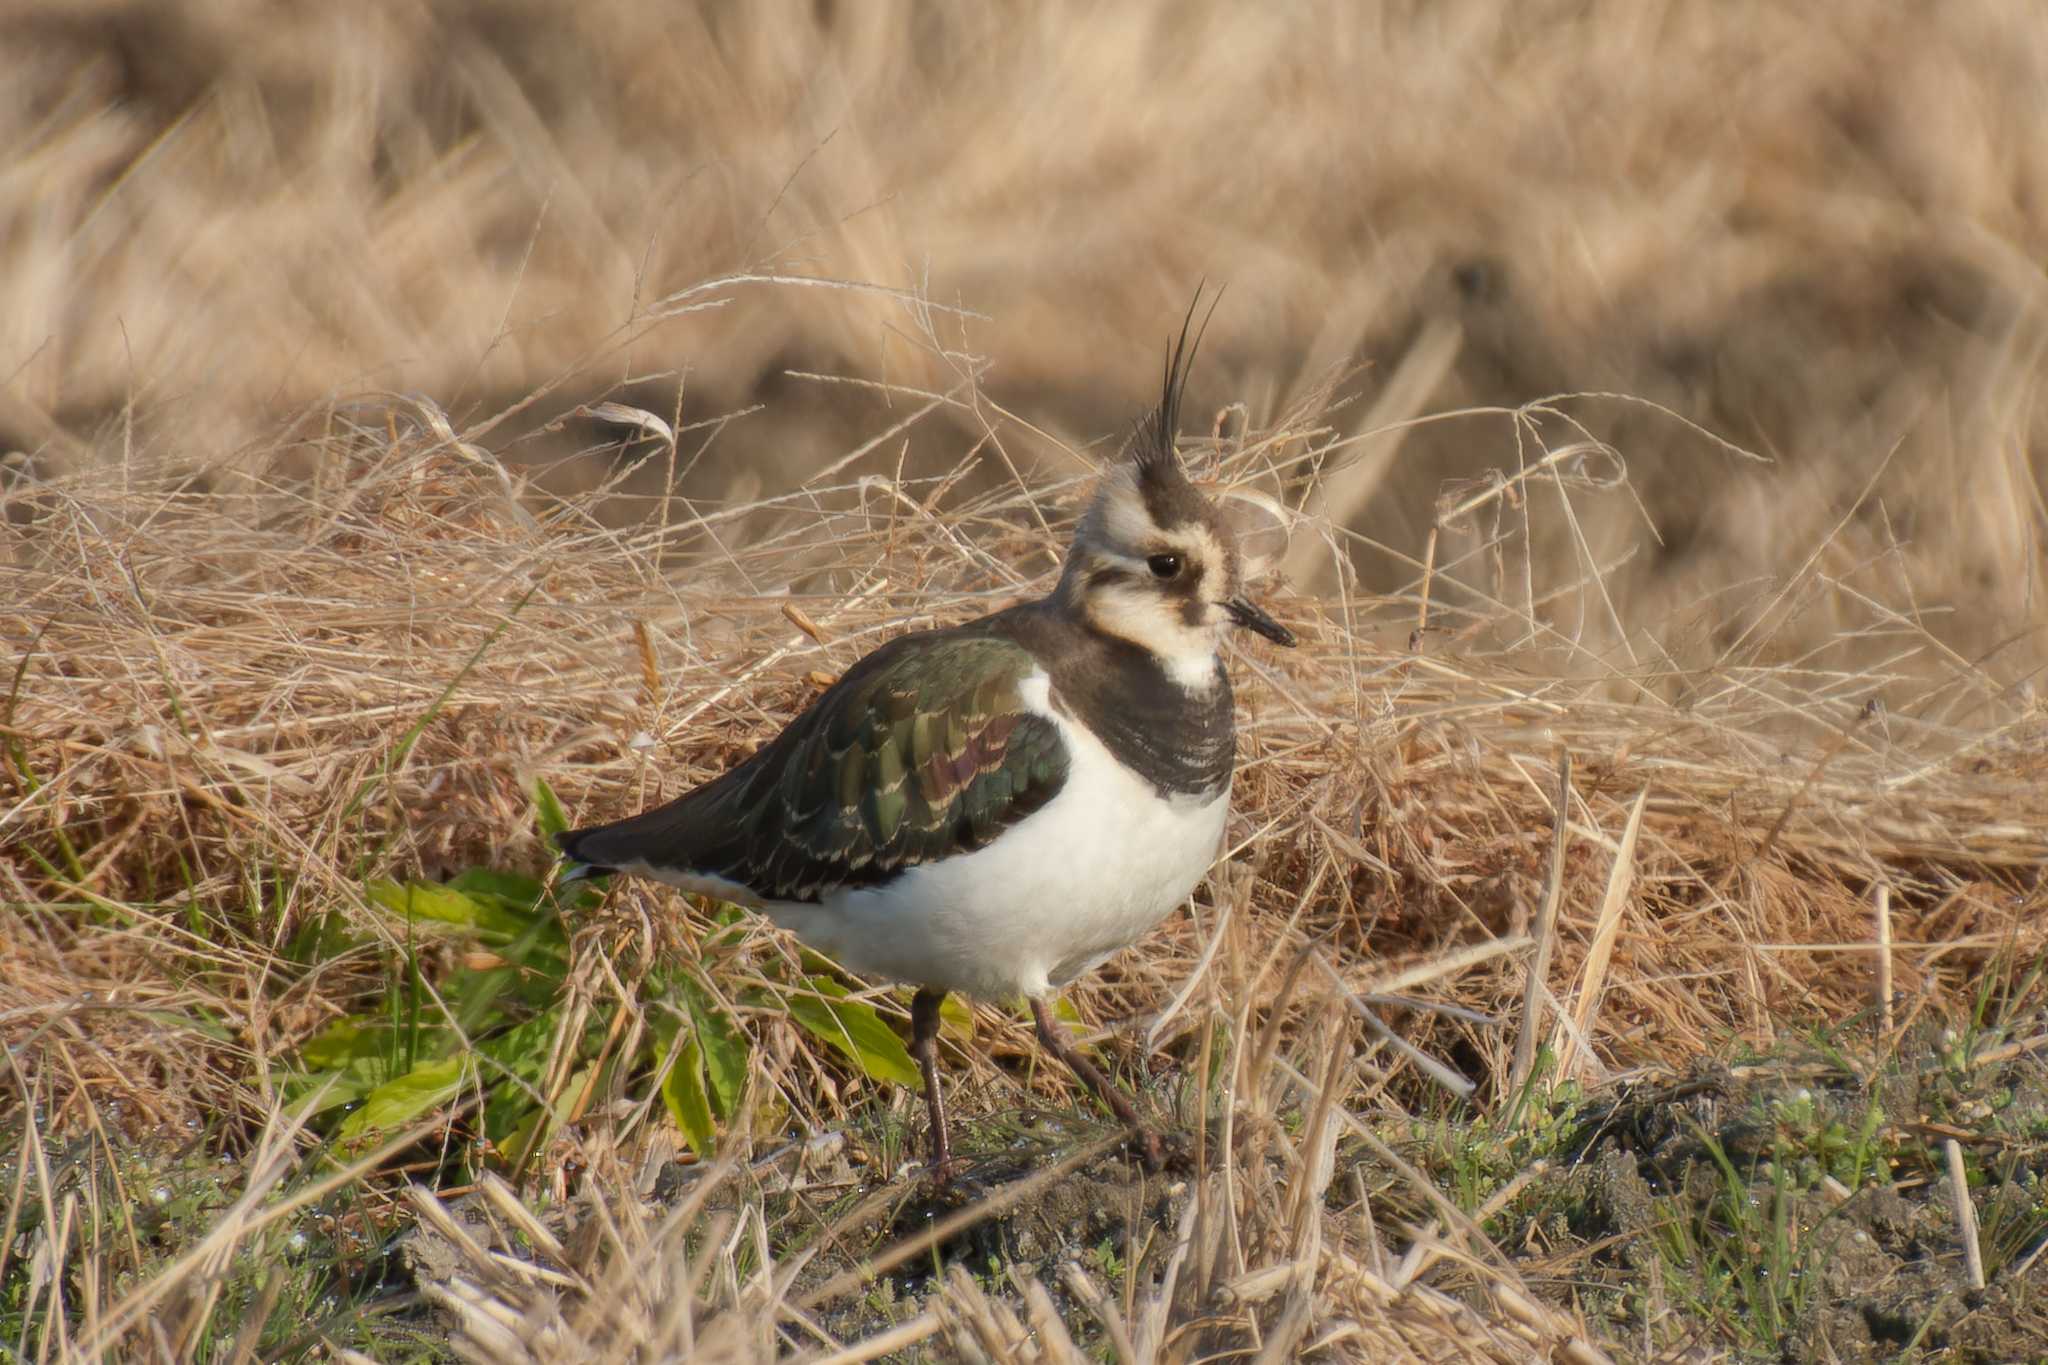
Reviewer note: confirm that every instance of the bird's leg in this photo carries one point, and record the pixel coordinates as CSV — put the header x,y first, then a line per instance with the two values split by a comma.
x,y
924,1045
1054,1038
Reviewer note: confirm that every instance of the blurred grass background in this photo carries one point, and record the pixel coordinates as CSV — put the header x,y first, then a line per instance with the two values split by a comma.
x,y
1816,231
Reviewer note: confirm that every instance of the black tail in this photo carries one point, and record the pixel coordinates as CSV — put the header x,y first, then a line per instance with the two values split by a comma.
x,y
570,842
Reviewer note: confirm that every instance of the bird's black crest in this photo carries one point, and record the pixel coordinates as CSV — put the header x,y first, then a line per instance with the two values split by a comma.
x,y
1154,445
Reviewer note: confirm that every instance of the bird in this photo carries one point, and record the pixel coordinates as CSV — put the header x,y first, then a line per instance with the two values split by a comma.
x,y
997,807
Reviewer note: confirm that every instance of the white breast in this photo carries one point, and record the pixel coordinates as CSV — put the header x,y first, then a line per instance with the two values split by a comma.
x,y
1055,894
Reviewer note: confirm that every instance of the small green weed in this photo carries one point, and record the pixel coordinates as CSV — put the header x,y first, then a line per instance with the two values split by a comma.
x,y
1474,1158
108,1216
1735,1252
482,1013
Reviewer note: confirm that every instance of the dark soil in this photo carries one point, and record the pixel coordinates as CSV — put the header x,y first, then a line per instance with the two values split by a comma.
x,y
1785,1209
1792,1211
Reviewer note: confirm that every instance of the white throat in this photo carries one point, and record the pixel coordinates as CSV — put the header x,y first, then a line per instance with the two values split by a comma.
x,y
1186,653
1196,673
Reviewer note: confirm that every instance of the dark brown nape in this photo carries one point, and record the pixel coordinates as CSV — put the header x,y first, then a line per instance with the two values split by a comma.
x,y
1171,501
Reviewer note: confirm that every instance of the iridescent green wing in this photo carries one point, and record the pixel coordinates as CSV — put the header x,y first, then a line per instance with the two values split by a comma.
x,y
924,749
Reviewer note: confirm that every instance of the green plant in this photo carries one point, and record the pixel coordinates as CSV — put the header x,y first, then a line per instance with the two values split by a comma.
x,y
99,1218
1474,1157
1105,1259
484,1013
1815,1144
2012,1216
1737,1254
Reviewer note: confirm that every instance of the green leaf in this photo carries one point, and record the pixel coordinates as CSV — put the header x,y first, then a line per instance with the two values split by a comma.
x,y
479,999
725,1048
514,890
524,1051
582,1081
581,895
814,963
312,1093
853,1027
682,1090
322,937
354,1058
956,1018
399,1101
729,925
507,1143
512,899
510,1064
548,816
343,1041
445,905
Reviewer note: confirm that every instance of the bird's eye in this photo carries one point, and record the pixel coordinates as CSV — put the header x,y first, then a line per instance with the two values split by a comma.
x,y
1164,566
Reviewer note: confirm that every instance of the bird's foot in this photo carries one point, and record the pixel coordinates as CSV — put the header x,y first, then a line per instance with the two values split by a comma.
x,y
1151,1148
942,1172
1164,1151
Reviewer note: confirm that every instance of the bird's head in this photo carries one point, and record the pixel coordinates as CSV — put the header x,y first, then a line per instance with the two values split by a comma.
x,y
1155,560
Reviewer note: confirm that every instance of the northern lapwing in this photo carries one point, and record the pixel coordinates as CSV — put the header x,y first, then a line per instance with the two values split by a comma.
x,y
996,807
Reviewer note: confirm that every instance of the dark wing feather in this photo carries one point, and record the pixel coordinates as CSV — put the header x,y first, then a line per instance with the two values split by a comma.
x,y
923,749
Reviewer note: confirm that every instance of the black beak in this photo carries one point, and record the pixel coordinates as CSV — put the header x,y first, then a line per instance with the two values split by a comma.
x,y
1251,618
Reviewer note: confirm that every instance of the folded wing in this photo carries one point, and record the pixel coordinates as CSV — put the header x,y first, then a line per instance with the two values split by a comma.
x,y
925,748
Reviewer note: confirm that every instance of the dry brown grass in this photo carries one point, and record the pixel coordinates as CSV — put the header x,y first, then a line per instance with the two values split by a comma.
x,y
230,590
231,703
1253,1263
216,690
1815,231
